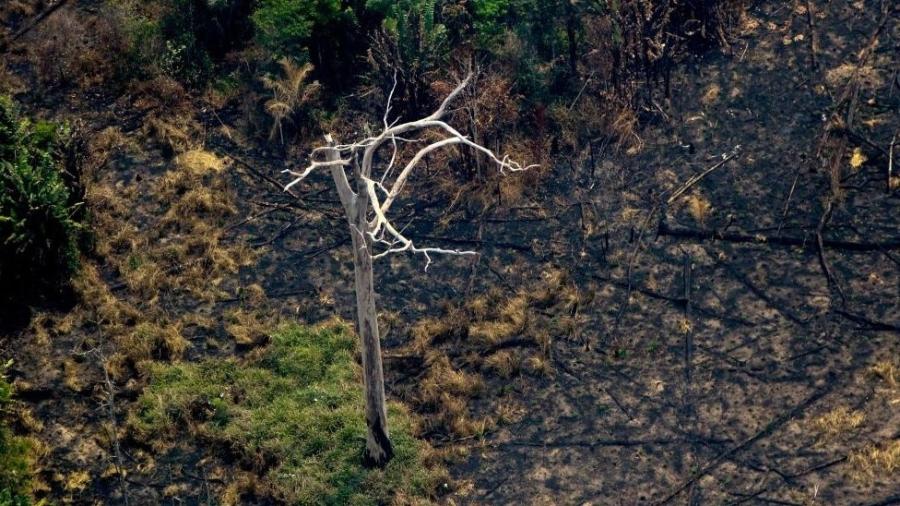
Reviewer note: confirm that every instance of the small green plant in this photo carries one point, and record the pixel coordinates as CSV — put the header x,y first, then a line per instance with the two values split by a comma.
x,y
298,408
38,232
14,463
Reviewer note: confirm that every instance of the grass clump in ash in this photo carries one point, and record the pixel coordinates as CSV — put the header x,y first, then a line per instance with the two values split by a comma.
x,y
294,414
15,464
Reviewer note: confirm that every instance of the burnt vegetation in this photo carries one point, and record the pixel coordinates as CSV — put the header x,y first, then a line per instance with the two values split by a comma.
x,y
641,252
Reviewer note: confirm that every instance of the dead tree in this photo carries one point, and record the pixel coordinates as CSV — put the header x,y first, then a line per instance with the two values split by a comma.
x,y
374,236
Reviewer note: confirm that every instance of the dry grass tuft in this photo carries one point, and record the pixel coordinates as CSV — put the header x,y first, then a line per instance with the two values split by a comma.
x,y
887,371
875,460
504,363
838,421
199,162
698,207
442,378
427,330
174,134
248,329
509,321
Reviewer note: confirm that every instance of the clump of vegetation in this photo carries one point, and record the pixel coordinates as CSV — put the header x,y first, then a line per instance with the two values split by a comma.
x,y
39,230
838,421
291,94
14,462
294,413
875,461
492,334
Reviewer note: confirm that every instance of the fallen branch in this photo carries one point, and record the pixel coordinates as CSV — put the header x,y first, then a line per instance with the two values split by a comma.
x,y
823,260
694,180
590,444
31,24
874,325
738,237
771,427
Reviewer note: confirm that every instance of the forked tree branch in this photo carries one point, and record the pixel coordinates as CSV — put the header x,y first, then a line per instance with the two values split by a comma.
x,y
379,228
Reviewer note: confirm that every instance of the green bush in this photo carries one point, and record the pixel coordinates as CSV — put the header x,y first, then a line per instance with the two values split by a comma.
x,y
421,39
286,27
297,411
14,464
38,231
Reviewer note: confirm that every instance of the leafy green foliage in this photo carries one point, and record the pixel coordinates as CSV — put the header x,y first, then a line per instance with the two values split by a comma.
x,y
38,235
285,27
299,406
14,463
420,38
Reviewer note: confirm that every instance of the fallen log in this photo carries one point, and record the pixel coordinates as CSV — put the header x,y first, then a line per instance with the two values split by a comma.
x,y
738,237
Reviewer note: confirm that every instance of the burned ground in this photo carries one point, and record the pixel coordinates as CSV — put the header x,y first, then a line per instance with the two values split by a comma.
x,y
607,346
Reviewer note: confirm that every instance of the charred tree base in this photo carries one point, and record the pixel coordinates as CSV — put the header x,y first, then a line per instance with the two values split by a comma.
x,y
379,450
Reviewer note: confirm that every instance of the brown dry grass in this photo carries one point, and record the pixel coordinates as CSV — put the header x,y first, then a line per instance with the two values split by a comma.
x,y
698,207
248,328
875,461
493,334
73,48
838,421
162,239
888,372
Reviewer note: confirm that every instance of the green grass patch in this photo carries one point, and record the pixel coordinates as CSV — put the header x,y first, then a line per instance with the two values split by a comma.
x,y
15,466
295,413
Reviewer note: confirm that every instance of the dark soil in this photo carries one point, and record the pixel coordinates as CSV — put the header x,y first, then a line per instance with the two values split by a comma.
x,y
697,364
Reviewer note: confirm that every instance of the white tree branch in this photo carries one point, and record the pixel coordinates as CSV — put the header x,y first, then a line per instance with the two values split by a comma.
x,y
379,229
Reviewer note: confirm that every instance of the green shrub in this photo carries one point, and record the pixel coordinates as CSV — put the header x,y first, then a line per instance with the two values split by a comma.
x,y
285,27
38,232
297,410
14,463
421,39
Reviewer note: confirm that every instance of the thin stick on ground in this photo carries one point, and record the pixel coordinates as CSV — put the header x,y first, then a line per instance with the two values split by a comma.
x,y
823,221
813,37
694,180
769,428
890,167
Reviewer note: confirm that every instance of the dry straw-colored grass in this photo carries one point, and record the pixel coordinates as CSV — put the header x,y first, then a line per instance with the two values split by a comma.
x,y
698,207
875,461
838,421
888,372
494,334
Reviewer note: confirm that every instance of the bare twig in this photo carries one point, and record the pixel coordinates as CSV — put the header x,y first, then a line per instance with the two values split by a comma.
x,y
743,237
382,191
890,167
771,427
692,181
823,221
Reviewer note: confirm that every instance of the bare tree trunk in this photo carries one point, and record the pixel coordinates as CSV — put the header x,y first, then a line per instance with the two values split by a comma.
x,y
366,235
378,446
